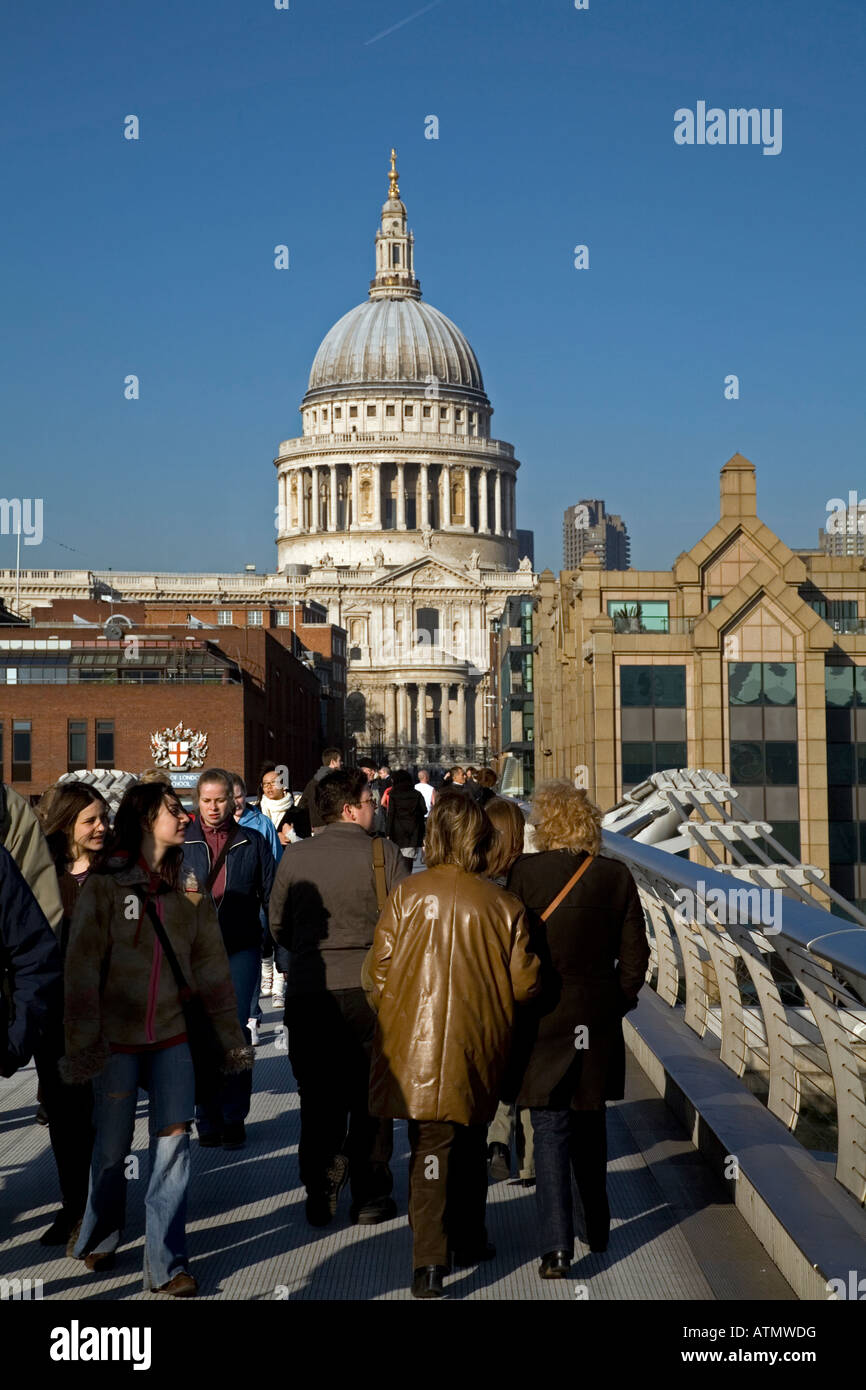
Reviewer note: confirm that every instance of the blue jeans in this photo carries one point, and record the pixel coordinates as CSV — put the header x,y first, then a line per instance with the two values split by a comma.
x,y
232,1103
566,1142
169,1080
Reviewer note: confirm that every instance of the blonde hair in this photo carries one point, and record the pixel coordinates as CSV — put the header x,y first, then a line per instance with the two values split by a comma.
x,y
155,774
458,832
508,824
565,818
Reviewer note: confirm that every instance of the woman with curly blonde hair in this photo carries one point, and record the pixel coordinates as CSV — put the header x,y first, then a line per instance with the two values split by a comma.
x,y
587,927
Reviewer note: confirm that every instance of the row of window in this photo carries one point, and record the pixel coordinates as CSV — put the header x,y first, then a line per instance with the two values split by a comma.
x,y
390,413
76,746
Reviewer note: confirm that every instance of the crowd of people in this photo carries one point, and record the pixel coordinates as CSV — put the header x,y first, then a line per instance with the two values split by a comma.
x,y
438,958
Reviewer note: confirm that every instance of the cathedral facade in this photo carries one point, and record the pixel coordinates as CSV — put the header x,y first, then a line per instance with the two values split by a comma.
x,y
397,512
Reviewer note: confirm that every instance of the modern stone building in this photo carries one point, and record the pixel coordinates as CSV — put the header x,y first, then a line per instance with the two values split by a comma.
x,y
746,657
588,529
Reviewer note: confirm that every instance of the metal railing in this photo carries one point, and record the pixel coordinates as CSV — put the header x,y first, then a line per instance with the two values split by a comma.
x,y
409,439
776,983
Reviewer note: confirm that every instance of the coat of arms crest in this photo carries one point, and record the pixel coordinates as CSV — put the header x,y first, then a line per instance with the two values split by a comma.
x,y
178,748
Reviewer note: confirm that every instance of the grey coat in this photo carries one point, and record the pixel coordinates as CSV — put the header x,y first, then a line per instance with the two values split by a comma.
x,y
323,908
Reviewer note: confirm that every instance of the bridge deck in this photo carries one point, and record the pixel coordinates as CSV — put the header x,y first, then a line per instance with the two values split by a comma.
x,y
675,1235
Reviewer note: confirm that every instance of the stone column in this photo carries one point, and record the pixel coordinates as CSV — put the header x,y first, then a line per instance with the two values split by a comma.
x,y
509,492
483,527
299,496
423,488
401,498
460,732
421,714
356,496
497,504
444,718
315,519
391,716
377,496
401,722
281,503
445,491
467,496
334,500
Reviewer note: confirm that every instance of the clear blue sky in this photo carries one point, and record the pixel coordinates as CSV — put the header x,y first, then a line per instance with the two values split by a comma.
x,y
261,126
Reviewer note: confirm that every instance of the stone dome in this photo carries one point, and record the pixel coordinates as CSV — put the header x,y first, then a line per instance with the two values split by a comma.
x,y
395,342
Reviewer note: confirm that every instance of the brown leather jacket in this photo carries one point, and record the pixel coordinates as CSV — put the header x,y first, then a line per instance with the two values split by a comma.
x,y
449,962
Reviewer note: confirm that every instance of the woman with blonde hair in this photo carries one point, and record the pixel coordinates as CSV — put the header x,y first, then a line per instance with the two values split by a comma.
x,y
448,965
587,926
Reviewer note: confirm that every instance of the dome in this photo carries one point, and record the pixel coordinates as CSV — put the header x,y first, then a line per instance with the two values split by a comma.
x,y
395,342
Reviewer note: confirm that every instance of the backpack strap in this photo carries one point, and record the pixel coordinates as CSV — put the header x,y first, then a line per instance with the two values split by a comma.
x,y
568,887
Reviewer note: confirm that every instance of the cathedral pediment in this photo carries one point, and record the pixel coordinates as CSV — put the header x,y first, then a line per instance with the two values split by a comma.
x,y
427,573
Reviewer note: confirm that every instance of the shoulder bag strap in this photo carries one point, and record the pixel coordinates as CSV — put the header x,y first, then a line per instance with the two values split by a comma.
x,y
168,950
568,887
220,859
379,872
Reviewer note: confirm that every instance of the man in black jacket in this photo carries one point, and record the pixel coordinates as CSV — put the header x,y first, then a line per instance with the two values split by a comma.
x,y
332,761
324,909
31,978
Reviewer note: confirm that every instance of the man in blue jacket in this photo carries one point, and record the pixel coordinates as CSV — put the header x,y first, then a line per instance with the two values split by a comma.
x,y
234,864
31,977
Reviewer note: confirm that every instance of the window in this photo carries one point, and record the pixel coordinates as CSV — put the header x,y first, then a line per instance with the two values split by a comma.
x,y
284,618
409,411
771,763
762,683
105,743
324,414
338,412
396,251
663,687
314,417
426,410
371,412
713,600
472,418
254,617
458,415
22,750
224,617
389,411
443,412
76,744
636,616
353,412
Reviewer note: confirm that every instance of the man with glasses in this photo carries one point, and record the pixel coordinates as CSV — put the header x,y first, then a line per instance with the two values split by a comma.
x,y
323,911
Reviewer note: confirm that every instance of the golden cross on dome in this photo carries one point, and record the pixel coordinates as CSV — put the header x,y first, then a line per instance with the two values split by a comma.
x,y
393,190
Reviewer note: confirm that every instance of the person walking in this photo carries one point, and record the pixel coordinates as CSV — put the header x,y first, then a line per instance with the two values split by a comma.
x,y
424,787
327,895
275,798
126,1027
21,834
587,926
251,818
332,761
74,819
405,816
234,865
509,1123
31,978
448,965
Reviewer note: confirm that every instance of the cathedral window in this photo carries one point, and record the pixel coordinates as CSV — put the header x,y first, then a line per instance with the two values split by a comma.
x,y
443,412
389,410
324,414
427,412
409,411
371,412
353,411
338,412
458,415
396,255
314,417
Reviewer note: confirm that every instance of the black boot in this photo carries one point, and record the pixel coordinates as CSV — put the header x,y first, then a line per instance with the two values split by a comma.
x,y
427,1281
555,1265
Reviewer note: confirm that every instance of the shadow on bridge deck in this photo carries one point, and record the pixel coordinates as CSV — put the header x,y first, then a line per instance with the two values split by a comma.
x,y
675,1235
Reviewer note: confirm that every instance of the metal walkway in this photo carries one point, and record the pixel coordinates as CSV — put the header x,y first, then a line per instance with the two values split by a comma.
x,y
675,1233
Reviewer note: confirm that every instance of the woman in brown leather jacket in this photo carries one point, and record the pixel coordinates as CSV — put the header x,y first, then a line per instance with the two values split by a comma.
x,y
448,964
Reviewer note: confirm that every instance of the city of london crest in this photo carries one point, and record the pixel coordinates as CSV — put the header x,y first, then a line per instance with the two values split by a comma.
x,y
178,748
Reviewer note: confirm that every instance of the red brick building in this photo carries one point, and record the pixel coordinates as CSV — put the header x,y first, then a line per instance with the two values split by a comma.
x,y
90,690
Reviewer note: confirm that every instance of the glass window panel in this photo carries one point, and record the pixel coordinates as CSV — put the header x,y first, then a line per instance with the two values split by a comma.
x,y
744,682
840,764
838,724
635,615
844,842
714,599
635,683
860,685
747,763
637,762
105,742
670,755
861,764
780,682
787,832
862,845
669,686
781,760
839,685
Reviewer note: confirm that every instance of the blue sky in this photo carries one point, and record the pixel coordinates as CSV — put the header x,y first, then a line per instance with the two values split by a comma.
x,y
261,127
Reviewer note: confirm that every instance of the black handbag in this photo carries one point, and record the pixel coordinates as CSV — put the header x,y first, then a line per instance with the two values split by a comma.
x,y
208,1054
